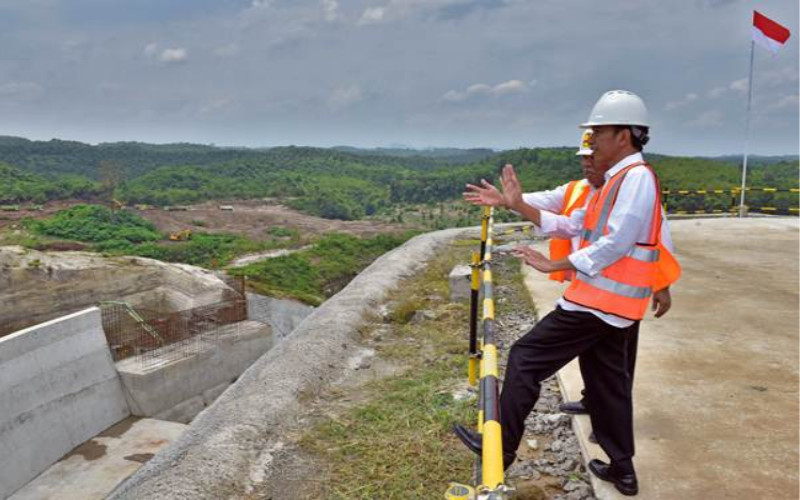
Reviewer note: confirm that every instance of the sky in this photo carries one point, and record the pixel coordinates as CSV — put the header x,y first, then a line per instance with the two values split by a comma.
x,y
417,73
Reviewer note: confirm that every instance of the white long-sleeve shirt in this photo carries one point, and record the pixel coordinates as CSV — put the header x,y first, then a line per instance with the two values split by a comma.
x,y
628,223
553,201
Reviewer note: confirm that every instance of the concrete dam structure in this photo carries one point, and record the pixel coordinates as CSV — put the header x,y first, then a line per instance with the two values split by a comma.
x,y
66,381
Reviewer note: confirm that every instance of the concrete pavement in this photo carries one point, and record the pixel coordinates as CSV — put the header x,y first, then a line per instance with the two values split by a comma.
x,y
716,388
91,471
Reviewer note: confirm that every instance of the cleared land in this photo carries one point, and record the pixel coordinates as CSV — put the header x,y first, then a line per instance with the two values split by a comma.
x,y
716,395
255,218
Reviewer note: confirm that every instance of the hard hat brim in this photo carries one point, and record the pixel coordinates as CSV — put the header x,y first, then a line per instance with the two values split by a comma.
x,y
613,122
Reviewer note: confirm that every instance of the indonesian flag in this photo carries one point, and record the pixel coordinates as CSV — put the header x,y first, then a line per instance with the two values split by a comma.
x,y
767,33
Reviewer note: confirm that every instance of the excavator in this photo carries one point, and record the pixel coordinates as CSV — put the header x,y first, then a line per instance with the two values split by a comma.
x,y
184,235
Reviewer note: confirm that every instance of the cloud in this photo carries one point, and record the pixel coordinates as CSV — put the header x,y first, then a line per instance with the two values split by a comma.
x,y
173,55
739,85
717,92
505,88
786,102
167,56
774,78
331,11
443,10
258,4
459,9
150,49
716,4
672,105
228,50
372,15
708,119
216,105
20,91
345,96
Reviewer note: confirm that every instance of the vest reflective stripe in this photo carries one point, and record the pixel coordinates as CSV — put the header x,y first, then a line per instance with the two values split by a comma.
x,y
644,254
609,285
574,197
624,287
602,221
575,191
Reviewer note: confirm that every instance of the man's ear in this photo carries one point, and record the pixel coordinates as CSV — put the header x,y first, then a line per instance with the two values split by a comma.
x,y
626,138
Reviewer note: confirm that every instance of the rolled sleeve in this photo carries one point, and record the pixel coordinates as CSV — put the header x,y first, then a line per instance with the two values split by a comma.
x,y
583,262
561,226
549,222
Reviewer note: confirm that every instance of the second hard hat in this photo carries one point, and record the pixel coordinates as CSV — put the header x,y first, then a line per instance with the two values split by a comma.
x,y
618,107
585,148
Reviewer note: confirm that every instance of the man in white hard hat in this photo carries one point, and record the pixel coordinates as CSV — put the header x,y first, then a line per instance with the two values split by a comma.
x,y
620,262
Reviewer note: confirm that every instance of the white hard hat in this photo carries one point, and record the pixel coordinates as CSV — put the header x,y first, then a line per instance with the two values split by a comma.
x,y
585,148
618,107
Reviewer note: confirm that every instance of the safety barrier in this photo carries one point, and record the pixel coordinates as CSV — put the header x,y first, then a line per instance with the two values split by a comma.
x,y
732,205
483,371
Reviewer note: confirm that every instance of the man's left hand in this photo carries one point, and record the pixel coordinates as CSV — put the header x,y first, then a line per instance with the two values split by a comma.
x,y
534,259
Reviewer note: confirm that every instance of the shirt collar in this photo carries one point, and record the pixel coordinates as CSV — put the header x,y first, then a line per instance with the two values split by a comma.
x,y
628,160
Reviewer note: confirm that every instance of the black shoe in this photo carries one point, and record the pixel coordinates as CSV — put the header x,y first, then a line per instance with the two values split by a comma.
x,y
625,483
474,442
573,408
593,438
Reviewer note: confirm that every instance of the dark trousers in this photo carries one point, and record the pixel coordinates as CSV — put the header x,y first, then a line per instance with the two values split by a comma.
x,y
556,340
633,345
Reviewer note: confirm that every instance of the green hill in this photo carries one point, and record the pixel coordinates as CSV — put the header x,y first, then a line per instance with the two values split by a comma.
x,y
342,183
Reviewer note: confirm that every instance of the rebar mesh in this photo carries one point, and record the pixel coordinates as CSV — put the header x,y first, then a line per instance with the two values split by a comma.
x,y
151,334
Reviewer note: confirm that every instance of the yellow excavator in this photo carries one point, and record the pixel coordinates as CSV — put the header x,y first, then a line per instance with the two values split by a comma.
x,y
184,235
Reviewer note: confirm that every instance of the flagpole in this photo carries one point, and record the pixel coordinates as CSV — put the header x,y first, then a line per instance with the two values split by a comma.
x,y
747,131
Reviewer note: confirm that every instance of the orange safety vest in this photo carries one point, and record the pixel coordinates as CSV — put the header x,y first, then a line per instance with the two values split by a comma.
x,y
623,288
574,197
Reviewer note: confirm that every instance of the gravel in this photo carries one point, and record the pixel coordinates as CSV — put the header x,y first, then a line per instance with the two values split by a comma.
x,y
550,456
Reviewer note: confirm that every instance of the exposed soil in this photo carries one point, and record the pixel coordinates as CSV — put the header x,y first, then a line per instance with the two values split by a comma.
x,y
254,218
9,219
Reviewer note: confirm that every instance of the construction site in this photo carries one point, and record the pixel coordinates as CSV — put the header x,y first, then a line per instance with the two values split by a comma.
x,y
400,250
165,371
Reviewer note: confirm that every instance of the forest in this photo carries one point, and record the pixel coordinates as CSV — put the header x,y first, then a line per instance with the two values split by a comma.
x,y
340,183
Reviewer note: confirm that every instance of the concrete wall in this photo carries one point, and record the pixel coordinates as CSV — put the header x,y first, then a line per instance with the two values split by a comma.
x,y
169,385
230,443
39,286
58,388
283,315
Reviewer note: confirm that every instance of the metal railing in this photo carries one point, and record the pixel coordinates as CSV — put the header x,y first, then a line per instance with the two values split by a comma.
x,y
721,201
483,371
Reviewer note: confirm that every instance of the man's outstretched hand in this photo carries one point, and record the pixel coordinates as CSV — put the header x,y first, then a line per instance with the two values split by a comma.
x,y
512,189
487,194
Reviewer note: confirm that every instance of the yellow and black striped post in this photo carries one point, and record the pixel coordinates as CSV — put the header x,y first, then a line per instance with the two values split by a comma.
x,y
474,355
487,213
483,353
489,412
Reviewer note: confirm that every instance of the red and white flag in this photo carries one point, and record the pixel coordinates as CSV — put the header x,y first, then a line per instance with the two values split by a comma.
x,y
767,33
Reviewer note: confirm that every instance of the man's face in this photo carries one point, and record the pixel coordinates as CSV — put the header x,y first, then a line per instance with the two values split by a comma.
x,y
607,142
591,174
